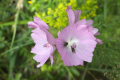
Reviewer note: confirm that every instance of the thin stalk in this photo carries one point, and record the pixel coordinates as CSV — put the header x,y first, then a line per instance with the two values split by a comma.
x,y
105,9
69,72
17,47
13,57
84,73
15,28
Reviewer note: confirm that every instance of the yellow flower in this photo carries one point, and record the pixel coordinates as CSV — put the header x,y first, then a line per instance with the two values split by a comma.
x,y
43,14
30,2
94,15
88,1
95,2
48,12
96,7
84,17
60,5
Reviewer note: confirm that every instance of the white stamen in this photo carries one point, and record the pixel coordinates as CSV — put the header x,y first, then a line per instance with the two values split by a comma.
x,y
72,43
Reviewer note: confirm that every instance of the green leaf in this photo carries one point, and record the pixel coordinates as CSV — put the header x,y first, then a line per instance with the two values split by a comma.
x,y
18,76
74,71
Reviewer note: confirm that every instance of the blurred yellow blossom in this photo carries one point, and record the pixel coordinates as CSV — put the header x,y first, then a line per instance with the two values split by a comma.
x,y
60,5
30,2
88,1
43,14
56,17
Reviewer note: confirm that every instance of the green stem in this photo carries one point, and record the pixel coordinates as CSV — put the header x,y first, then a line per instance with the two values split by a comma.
x,y
105,9
69,72
17,47
83,76
15,28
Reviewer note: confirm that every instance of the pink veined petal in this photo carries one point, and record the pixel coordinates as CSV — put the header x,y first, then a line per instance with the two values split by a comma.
x,y
85,49
68,60
68,8
77,15
67,32
50,38
84,34
40,49
93,30
42,58
59,33
71,16
63,53
31,24
39,36
73,59
40,23
89,22
51,54
97,33
81,22
99,41
43,61
60,46
51,59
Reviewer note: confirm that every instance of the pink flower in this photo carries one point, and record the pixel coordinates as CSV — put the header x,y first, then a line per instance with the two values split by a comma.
x,y
43,49
75,45
93,30
74,17
37,23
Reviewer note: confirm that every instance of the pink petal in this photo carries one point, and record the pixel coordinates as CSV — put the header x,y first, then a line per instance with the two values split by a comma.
x,y
97,33
77,15
68,8
40,23
39,36
42,57
60,46
50,38
89,22
99,41
73,59
59,33
40,49
67,32
85,49
51,54
93,30
42,61
83,34
32,25
81,22
71,16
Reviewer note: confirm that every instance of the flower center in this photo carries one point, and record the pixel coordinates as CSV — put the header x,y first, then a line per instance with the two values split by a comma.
x,y
71,45
73,48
